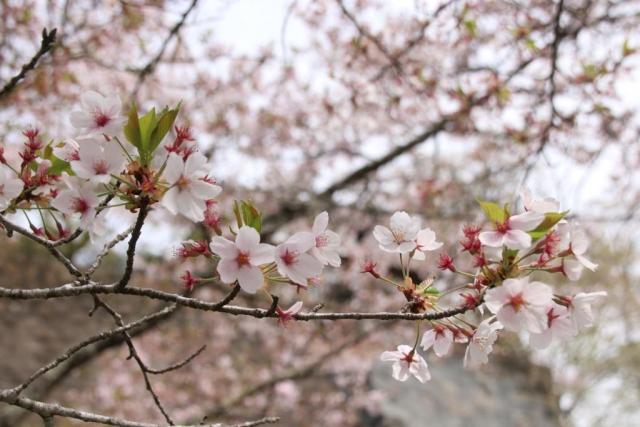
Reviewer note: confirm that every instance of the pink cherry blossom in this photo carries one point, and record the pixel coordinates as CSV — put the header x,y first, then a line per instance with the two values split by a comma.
x,y
10,186
440,338
294,262
512,233
99,115
481,343
520,305
241,260
98,160
327,242
406,361
558,326
580,309
285,316
401,235
78,199
425,242
189,188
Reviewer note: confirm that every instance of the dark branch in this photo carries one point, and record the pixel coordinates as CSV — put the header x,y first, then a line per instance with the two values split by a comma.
x,y
46,44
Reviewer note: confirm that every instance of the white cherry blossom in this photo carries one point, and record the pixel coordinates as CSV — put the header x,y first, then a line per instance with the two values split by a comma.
x,y
240,260
559,326
69,151
440,338
294,261
189,188
578,243
10,186
425,242
78,199
99,115
327,242
513,232
580,309
401,235
520,305
98,160
534,204
406,361
481,343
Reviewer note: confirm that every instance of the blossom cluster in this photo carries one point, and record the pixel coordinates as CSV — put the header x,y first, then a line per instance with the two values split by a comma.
x,y
538,239
118,162
113,162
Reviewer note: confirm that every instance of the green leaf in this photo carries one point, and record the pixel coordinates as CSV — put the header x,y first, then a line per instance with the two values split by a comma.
x,y
132,128
251,216
148,123
164,124
550,219
493,211
57,164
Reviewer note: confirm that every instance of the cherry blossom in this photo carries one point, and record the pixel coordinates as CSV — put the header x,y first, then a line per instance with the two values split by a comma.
x,y
578,245
407,361
241,260
294,262
533,204
68,151
402,233
285,316
327,242
481,343
559,326
79,198
512,233
520,305
425,242
10,186
99,115
98,160
189,187
440,338
580,309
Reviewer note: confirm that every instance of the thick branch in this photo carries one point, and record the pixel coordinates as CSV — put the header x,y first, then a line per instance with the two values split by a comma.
x,y
97,289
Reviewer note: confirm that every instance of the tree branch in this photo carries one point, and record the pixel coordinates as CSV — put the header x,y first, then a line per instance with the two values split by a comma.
x,y
46,44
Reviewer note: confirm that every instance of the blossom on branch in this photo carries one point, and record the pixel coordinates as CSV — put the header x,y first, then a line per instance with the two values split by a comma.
x,y
10,186
512,233
481,343
189,188
98,160
99,115
401,235
241,260
327,242
294,261
520,305
406,361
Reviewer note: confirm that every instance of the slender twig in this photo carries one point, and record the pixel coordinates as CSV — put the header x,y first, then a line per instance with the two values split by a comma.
x,y
153,63
49,245
46,44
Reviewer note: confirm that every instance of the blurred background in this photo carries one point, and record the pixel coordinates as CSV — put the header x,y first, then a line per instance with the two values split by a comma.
x,y
359,108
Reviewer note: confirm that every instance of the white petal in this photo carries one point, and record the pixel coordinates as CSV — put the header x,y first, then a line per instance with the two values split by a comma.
x,y
526,221
250,279
247,239
492,239
174,168
320,223
517,239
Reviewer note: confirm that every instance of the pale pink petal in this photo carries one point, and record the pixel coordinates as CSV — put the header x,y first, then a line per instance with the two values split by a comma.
x,y
492,239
